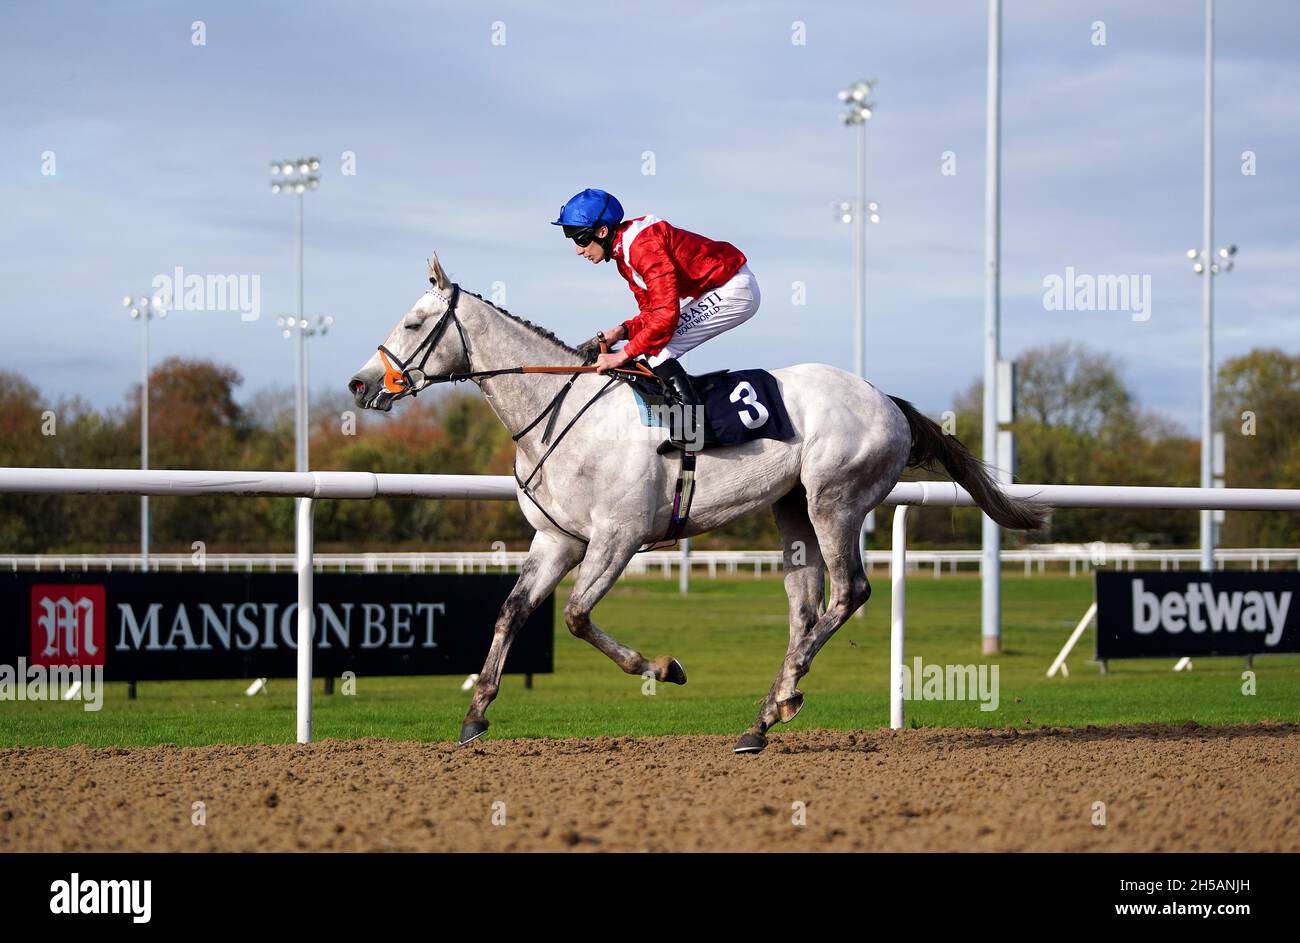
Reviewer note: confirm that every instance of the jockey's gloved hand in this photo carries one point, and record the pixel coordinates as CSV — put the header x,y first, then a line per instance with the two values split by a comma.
x,y
590,350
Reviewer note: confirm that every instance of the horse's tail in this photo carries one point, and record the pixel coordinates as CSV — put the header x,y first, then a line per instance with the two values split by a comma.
x,y
930,445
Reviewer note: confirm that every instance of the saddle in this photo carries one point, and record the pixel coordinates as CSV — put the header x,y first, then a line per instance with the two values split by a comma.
x,y
739,406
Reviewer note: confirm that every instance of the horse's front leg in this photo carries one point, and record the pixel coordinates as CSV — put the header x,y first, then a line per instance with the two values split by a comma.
x,y
607,556
550,557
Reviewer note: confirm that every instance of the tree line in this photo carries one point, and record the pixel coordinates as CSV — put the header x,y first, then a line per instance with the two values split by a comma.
x,y
1078,422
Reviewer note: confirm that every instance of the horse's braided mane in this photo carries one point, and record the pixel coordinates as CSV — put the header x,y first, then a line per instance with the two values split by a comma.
x,y
535,328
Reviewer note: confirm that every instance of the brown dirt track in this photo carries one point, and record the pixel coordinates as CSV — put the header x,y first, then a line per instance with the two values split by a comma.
x,y
1184,788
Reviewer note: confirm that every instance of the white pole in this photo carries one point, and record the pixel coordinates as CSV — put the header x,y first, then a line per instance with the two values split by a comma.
x,y
860,283
303,546
1207,296
860,259
1059,663
303,509
990,544
898,615
300,416
144,442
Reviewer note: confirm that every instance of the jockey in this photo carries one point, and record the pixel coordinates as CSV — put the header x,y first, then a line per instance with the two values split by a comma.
x,y
688,289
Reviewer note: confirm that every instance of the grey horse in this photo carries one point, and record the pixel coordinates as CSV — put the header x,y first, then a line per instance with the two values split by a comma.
x,y
603,492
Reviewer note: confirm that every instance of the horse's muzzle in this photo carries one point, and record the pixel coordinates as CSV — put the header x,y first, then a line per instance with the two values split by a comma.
x,y
370,395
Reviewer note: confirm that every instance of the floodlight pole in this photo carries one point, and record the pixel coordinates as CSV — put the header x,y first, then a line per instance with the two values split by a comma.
x,y
297,177
991,537
1207,295
146,308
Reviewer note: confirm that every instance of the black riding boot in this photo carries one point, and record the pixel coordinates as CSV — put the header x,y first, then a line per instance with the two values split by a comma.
x,y
686,422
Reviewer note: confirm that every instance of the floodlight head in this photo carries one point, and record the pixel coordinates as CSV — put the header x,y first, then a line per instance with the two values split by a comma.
x,y
1192,253
126,302
275,187
315,163
1198,268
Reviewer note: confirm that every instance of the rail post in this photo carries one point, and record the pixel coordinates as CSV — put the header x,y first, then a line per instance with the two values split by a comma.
x,y
303,548
898,615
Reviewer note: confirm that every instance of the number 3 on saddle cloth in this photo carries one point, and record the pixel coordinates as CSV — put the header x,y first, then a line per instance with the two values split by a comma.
x,y
739,406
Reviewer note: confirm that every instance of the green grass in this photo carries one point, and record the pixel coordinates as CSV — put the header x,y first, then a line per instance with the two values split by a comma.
x,y
730,634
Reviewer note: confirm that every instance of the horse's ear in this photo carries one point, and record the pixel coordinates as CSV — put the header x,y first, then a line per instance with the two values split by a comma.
x,y
437,277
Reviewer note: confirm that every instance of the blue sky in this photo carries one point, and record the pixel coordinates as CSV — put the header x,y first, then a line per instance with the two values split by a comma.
x,y
162,152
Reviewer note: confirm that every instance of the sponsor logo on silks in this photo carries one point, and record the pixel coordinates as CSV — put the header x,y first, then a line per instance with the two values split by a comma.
x,y
68,624
1199,608
952,683
697,312
76,896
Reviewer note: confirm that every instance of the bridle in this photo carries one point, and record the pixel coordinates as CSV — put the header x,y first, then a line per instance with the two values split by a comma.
x,y
398,373
399,381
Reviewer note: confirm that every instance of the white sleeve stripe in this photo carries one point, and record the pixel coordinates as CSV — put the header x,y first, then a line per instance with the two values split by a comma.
x,y
634,229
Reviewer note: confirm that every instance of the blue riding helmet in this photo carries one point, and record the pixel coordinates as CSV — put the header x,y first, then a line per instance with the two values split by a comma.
x,y
591,208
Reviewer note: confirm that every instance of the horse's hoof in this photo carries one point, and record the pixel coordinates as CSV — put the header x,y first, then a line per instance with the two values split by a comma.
x,y
672,670
790,707
471,730
750,742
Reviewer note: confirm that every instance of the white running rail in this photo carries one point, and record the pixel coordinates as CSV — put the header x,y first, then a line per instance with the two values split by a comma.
x,y
312,486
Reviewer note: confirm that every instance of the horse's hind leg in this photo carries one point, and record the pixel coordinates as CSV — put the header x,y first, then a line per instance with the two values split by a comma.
x,y
607,556
549,558
836,518
805,585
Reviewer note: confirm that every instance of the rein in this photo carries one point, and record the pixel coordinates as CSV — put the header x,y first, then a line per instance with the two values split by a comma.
x,y
400,381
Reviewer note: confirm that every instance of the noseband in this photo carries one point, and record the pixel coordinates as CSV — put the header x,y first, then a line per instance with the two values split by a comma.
x,y
398,374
